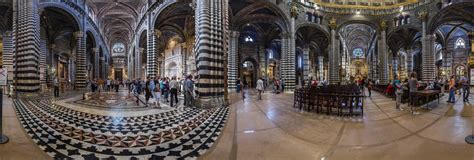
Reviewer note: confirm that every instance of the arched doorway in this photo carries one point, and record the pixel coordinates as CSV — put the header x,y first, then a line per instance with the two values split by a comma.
x,y
249,73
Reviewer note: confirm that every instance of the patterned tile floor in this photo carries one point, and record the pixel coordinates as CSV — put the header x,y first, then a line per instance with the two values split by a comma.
x,y
63,132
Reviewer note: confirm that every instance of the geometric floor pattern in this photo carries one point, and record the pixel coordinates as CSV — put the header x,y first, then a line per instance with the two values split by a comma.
x,y
64,133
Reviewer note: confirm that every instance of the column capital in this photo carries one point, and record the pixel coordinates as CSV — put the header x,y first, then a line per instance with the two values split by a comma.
x,y
78,34
383,25
285,35
422,15
332,23
95,50
234,34
52,46
140,50
158,33
306,49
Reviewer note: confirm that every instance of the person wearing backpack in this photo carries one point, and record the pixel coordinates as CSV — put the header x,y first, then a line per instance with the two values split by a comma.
x,y
397,84
452,89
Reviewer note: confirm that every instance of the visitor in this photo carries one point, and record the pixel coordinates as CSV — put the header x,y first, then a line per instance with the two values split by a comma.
x,y
142,85
466,88
397,84
242,93
260,88
452,89
101,84
156,91
413,87
147,91
56,87
174,91
189,89
108,85
117,84
238,85
138,84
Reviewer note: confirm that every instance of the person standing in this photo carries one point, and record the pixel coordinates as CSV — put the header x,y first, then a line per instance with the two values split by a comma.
x,y
147,91
174,91
452,89
238,85
260,88
156,91
397,84
189,89
413,86
56,87
108,85
466,88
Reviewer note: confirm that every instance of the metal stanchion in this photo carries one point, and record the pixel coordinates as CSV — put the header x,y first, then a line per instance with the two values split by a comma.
x,y
3,138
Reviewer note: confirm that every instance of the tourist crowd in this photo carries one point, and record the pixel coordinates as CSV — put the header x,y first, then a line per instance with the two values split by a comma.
x,y
155,90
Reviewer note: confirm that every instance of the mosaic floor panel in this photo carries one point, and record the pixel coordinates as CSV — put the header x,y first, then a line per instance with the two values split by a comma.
x,y
65,133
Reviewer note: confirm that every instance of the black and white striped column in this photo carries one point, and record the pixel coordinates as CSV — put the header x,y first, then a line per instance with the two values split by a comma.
x,y
151,66
95,52
334,58
27,41
383,57
81,72
138,63
306,64
210,48
232,63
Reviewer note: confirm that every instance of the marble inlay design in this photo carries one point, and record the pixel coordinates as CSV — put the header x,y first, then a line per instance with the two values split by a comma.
x,y
66,133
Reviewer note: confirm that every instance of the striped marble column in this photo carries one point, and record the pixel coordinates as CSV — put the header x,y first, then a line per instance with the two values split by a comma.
x,y
306,65
428,54
409,60
232,63
321,68
211,27
8,49
334,59
290,79
95,52
284,55
27,38
138,63
80,60
151,66
383,57
42,61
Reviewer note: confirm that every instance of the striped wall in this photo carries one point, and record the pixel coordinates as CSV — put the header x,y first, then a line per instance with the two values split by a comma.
x,y
211,27
43,54
8,49
27,39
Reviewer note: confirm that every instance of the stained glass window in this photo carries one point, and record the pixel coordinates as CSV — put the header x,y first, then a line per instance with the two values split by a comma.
x,y
459,43
358,52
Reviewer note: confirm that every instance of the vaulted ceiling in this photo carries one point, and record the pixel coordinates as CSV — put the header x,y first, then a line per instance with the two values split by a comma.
x,y
357,36
117,17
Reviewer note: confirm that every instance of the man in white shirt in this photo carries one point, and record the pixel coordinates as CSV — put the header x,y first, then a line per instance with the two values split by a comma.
x,y
108,85
174,91
260,88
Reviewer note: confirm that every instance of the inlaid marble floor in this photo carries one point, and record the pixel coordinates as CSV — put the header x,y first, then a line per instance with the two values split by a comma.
x,y
271,129
266,129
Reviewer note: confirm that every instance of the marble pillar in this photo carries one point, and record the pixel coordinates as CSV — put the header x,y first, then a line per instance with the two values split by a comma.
x,y
26,35
211,42
81,70
232,60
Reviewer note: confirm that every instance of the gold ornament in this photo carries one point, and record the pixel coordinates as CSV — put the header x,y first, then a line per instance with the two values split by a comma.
x,y
383,25
333,23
